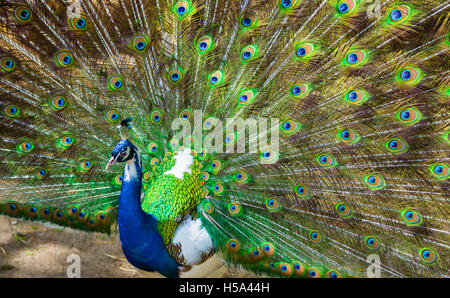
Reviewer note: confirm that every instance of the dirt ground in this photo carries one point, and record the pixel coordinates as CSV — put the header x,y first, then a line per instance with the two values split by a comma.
x,y
30,249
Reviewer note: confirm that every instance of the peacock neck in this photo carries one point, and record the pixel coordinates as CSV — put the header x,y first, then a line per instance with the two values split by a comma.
x,y
139,237
130,211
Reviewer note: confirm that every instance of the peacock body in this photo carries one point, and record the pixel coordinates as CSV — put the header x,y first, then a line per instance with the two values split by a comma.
x,y
155,115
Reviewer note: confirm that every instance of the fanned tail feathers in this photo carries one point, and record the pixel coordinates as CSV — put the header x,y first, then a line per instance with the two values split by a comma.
x,y
360,90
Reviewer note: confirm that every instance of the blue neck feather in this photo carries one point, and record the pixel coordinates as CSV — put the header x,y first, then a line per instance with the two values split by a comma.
x,y
141,242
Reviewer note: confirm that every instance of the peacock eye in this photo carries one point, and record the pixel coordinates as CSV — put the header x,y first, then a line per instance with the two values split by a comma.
x,y
123,153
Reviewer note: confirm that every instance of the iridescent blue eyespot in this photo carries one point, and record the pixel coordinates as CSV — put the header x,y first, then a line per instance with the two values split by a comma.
x,y
301,52
296,90
343,8
405,115
345,134
406,75
438,169
81,23
396,15
246,22
393,144
9,63
352,95
286,3
287,125
181,10
352,58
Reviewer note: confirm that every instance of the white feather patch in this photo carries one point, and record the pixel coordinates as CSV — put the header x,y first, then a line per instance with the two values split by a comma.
x,y
130,170
194,240
183,160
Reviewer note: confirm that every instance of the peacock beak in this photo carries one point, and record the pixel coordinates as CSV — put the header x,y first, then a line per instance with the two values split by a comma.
x,y
111,162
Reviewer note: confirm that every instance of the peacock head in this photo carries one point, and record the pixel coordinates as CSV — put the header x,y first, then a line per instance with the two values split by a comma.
x,y
122,152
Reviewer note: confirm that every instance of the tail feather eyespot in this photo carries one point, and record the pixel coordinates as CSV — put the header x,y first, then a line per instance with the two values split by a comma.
x,y
372,243
355,58
25,147
409,75
182,8
304,50
409,116
208,207
249,53
58,102
233,245
346,7
215,78
112,116
285,269
375,181
22,14
302,191
241,177
78,23
348,136
300,90
11,110
397,145
428,255
440,170
115,82
139,43
315,236
7,64
234,209
204,44
246,96
399,14
273,205
156,116
64,58
343,210
175,75
248,21
326,160
290,126
333,274
411,217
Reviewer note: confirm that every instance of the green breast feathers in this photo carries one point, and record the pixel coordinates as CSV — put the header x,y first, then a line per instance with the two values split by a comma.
x,y
173,189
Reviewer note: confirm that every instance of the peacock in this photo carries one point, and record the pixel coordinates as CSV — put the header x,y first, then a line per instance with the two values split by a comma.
x,y
292,138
